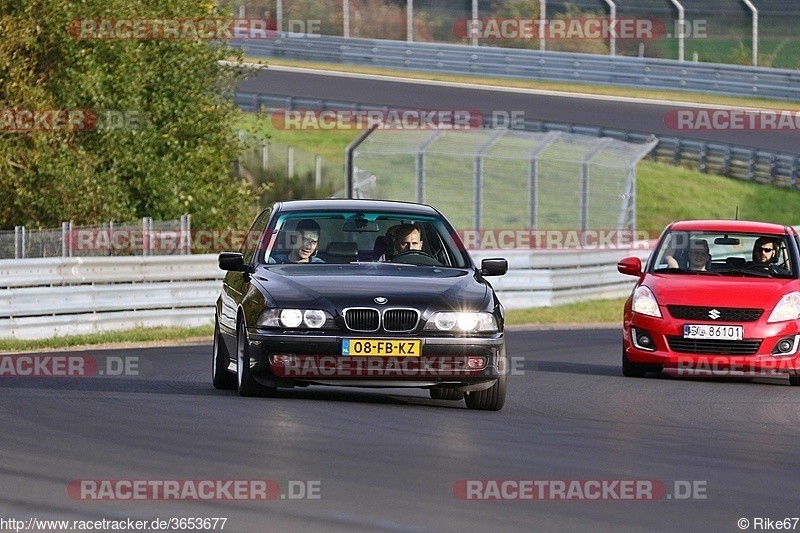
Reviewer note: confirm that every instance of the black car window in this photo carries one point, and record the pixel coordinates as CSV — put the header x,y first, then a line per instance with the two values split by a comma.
x,y
363,234
254,236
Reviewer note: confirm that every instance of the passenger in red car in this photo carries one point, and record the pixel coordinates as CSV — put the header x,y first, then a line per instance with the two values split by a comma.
x,y
698,256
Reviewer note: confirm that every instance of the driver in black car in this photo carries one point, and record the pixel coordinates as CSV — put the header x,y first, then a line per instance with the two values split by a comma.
x,y
765,254
407,237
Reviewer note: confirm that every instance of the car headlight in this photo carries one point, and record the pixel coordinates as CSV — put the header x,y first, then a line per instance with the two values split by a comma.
x,y
465,322
788,308
295,318
644,302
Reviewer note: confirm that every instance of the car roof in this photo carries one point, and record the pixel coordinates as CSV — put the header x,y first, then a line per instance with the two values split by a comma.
x,y
357,205
743,226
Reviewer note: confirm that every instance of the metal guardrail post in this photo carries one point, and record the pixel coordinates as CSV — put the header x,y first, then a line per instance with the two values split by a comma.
x,y
477,176
750,5
349,167
420,170
533,176
612,45
681,29
542,24
587,160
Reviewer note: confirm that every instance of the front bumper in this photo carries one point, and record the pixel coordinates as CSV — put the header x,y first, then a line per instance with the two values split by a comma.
x,y
285,359
759,353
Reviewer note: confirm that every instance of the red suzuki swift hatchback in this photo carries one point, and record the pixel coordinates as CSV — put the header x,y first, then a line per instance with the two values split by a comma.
x,y
717,298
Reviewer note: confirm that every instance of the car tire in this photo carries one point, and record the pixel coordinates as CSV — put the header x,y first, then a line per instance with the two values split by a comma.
x,y
446,394
493,398
794,380
245,384
631,370
220,377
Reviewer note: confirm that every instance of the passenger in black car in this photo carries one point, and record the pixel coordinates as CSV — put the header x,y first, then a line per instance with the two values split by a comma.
x,y
304,246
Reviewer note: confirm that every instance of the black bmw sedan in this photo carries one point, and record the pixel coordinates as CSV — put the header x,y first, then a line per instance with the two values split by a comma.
x,y
361,293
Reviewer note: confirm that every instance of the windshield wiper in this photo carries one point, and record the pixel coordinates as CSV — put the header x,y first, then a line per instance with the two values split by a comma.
x,y
752,273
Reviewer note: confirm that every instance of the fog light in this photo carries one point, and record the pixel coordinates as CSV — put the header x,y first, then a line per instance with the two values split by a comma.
x,y
642,340
475,363
786,346
284,359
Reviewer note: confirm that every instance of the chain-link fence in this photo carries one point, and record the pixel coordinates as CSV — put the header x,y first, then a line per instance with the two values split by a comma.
x,y
505,179
283,171
145,237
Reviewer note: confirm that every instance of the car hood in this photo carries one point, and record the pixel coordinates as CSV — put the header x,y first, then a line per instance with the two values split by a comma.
x,y
334,287
718,291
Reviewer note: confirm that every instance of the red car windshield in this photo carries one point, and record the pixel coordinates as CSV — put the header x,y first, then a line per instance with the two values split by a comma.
x,y
724,253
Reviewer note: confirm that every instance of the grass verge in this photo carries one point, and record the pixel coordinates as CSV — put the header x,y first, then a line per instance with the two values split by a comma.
x,y
134,336
587,312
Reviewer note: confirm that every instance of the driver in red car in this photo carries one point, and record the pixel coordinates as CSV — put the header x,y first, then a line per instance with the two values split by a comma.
x,y
765,254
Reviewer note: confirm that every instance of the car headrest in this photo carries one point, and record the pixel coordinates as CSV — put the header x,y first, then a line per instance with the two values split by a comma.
x,y
735,262
342,249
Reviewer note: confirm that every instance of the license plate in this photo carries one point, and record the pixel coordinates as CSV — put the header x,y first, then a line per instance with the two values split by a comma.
x,y
381,347
708,331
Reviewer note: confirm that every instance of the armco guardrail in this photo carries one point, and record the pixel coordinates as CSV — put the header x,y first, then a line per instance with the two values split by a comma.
x,y
42,298
662,74
740,162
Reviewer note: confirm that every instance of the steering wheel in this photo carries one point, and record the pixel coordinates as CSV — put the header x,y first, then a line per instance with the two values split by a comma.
x,y
771,268
415,257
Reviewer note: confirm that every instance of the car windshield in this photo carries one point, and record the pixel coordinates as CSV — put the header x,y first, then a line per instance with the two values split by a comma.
x,y
717,253
347,236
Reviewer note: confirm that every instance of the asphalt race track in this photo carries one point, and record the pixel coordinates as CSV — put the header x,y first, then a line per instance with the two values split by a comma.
x,y
642,116
715,451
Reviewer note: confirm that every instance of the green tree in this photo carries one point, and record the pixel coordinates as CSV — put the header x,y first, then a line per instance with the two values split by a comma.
x,y
175,160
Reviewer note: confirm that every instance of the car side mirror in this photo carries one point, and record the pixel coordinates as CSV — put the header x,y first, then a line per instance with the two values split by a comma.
x,y
232,261
494,266
632,266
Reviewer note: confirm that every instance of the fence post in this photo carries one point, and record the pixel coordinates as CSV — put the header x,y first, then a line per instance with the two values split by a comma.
x,y
19,249
290,161
186,235
264,155
111,249
317,172
65,239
